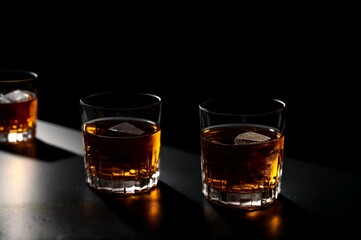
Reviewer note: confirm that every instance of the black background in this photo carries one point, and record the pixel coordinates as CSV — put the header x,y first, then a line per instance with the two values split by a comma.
x,y
303,59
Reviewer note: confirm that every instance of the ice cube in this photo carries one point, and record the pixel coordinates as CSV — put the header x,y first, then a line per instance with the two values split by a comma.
x,y
126,127
3,99
250,137
18,96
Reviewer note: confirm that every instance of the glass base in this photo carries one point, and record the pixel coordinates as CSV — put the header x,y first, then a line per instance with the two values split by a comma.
x,y
245,201
122,187
17,137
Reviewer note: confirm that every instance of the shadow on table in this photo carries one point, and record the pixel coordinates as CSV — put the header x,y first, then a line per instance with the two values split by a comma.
x,y
161,213
282,220
165,212
37,149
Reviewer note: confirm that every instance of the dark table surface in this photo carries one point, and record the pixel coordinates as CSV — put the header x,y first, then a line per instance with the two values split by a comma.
x,y
44,196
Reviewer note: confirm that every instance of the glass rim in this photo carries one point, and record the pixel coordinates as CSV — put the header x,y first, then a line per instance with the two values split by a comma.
x,y
280,108
22,76
83,100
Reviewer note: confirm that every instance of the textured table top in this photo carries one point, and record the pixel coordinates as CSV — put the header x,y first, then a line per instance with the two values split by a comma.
x,y
43,196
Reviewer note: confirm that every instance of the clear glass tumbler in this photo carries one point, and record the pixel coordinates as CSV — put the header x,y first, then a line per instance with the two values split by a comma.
x,y
122,141
242,147
18,106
